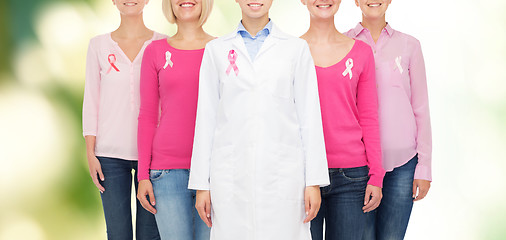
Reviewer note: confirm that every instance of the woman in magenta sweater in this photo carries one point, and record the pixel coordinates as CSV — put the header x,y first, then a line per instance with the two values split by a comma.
x,y
349,106
169,79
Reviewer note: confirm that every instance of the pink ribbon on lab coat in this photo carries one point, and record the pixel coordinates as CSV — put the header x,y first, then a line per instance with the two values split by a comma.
x,y
232,57
112,59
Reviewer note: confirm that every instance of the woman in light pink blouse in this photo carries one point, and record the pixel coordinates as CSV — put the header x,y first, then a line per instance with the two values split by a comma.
x,y
110,110
403,117
169,81
349,108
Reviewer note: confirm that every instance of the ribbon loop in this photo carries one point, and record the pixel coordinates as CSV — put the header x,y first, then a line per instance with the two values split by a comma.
x,y
398,63
349,66
232,57
112,59
168,62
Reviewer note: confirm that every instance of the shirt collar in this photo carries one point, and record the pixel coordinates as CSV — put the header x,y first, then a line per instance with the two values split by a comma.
x,y
265,31
359,28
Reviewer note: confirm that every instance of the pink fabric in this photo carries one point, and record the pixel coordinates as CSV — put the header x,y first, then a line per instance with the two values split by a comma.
x,y
403,99
350,112
111,97
166,142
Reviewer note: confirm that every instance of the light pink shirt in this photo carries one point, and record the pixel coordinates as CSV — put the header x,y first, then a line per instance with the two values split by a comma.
x,y
349,106
403,100
111,97
170,79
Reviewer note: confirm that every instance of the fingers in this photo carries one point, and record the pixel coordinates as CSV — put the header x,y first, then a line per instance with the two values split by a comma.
x,y
94,177
422,186
203,206
415,188
141,195
208,213
422,192
312,212
372,197
367,197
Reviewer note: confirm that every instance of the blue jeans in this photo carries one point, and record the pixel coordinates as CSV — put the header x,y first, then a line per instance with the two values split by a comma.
x,y
176,215
116,201
390,219
342,203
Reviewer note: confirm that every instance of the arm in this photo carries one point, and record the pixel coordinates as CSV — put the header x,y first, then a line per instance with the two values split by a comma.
x,y
307,104
420,104
148,119
205,124
367,105
90,113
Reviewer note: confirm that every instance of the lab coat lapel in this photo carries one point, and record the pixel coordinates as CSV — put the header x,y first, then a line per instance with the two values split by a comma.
x,y
274,38
238,43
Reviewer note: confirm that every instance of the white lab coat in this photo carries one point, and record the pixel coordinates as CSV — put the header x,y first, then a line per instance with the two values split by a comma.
x,y
258,138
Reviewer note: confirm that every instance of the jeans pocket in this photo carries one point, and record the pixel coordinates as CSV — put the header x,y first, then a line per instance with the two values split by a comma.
x,y
156,174
356,174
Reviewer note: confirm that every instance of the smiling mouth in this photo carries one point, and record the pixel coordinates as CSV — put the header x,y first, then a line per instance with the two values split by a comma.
x,y
187,5
255,4
129,4
324,6
374,4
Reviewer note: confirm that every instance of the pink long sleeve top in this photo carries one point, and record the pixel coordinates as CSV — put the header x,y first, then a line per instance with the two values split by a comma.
x,y
349,106
170,80
403,99
111,97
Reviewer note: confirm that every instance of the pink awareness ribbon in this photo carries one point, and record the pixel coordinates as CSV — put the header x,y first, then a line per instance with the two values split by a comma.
x,y
112,59
232,57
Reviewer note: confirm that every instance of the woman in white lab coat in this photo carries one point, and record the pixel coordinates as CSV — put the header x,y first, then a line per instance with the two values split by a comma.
x,y
259,154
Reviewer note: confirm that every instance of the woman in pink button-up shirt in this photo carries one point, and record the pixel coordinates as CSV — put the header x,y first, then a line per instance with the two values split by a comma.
x,y
403,117
110,110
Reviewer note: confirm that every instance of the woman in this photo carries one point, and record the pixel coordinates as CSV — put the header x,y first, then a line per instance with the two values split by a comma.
x,y
110,110
259,154
403,117
349,106
169,78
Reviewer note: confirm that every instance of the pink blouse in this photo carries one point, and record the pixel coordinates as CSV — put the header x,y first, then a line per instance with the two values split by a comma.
x,y
111,97
403,100
349,106
169,77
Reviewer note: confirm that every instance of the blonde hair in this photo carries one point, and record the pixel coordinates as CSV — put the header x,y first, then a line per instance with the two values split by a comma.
x,y
207,6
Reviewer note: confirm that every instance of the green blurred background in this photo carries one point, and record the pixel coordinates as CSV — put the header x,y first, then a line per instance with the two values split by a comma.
x,y
46,191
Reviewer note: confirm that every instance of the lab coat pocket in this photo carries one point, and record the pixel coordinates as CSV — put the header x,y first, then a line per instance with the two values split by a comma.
x,y
222,172
290,173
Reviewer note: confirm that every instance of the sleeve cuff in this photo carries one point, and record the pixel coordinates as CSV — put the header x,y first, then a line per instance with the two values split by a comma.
x,y
376,180
320,182
423,172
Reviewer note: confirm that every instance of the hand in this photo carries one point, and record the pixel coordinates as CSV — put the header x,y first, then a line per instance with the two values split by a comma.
x,y
145,188
312,201
423,187
203,206
372,198
96,171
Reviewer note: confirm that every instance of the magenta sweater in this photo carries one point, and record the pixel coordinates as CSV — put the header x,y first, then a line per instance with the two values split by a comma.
x,y
169,85
349,106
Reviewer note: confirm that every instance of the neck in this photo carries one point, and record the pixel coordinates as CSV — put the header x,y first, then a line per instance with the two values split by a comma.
x,y
189,31
132,26
375,26
254,25
322,30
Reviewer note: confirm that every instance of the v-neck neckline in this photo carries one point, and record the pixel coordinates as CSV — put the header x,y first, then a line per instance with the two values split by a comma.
x,y
342,59
138,53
